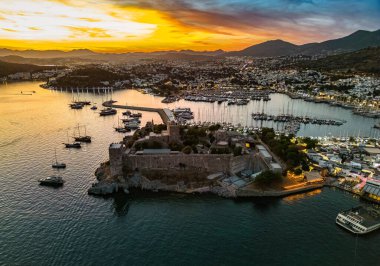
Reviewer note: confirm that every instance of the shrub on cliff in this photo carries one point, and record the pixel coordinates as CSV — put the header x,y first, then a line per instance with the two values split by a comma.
x,y
187,150
297,171
216,150
159,128
175,146
148,145
214,127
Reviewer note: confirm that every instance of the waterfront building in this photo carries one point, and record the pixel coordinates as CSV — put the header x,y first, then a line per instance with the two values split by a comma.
x,y
371,189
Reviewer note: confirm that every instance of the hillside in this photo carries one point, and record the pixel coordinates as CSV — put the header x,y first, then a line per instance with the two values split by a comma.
x,y
358,40
364,61
88,76
12,68
267,49
355,41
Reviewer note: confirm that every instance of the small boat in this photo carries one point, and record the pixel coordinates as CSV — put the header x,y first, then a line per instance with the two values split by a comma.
x,y
76,106
76,145
94,107
126,112
108,111
121,129
135,115
132,125
84,138
53,181
57,164
84,102
127,120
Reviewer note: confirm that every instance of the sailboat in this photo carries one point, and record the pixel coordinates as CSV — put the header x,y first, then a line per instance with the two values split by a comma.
x,y
76,145
56,164
119,128
84,138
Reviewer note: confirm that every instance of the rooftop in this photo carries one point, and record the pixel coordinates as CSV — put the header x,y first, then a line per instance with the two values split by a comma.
x,y
265,153
372,151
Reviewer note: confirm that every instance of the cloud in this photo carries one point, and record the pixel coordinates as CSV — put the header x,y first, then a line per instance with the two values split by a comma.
x,y
296,20
9,30
147,25
88,32
91,19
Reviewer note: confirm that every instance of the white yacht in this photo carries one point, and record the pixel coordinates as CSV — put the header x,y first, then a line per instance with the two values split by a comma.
x,y
359,220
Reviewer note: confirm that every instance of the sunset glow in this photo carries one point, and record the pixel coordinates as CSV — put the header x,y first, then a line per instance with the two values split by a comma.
x,y
122,26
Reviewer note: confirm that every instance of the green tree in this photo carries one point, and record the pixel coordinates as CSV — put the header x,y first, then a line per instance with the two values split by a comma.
x,y
297,171
187,150
267,178
238,150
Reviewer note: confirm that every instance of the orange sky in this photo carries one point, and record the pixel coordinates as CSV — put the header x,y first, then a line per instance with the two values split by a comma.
x,y
106,25
67,25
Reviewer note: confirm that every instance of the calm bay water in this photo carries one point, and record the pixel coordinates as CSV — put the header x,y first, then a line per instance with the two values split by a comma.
x,y
44,226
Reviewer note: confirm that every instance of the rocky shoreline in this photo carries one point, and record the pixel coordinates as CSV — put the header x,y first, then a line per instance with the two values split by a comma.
x,y
107,186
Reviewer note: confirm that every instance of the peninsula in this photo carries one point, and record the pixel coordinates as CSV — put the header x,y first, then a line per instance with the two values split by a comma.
x,y
190,159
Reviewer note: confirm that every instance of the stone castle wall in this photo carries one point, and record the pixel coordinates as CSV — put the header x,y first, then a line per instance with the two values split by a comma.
x,y
196,166
209,163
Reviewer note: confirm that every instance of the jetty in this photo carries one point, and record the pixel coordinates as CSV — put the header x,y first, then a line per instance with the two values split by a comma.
x,y
165,114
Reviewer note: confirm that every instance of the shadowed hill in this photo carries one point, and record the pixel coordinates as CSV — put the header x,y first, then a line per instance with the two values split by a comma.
x,y
364,61
355,41
12,68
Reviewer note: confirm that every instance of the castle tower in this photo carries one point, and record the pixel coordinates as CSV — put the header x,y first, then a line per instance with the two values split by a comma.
x,y
116,151
173,131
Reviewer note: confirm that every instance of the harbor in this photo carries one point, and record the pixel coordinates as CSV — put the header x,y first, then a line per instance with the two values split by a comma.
x,y
25,157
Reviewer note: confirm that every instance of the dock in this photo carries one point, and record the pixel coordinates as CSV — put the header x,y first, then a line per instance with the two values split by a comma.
x,y
165,114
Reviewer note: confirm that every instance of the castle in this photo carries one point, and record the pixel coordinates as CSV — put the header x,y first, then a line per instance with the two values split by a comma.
x,y
172,166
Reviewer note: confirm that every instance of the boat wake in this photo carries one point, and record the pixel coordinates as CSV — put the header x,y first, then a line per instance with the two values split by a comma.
x,y
14,141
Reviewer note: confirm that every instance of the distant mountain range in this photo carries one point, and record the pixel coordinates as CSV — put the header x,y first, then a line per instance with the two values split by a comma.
x,y
356,41
364,61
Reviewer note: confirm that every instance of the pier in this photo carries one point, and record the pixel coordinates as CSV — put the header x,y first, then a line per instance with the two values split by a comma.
x,y
165,114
